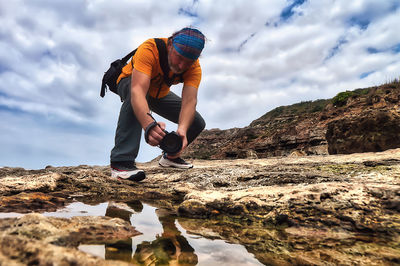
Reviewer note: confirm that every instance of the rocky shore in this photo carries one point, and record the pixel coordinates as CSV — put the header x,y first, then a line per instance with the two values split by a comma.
x,y
304,210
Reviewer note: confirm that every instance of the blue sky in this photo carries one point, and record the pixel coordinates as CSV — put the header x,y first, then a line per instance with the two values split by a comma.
x,y
259,55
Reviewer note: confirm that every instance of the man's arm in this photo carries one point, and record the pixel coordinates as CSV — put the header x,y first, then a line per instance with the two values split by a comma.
x,y
140,83
188,109
186,116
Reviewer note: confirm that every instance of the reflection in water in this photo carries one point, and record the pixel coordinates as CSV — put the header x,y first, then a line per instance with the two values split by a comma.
x,y
169,248
164,240
121,250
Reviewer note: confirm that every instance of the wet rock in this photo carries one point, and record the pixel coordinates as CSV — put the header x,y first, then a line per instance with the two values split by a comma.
x,y
15,250
282,219
193,208
282,209
35,239
393,204
28,202
71,232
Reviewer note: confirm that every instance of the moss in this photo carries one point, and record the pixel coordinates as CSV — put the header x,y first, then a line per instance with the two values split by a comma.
x,y
352,169
339,168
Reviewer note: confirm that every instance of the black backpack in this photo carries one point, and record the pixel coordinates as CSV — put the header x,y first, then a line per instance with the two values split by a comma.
x,y
111,75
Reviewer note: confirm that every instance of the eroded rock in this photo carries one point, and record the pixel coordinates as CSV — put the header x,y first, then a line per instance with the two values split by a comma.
x,y
293,210
371,131
34,239
368,120
27,202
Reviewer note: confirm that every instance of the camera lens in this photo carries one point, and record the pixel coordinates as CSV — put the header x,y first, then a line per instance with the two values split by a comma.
x,y
171,143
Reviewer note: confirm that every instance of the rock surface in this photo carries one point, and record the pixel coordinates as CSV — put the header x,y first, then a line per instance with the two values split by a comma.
x,y
364,120
317,210
35,239
370,131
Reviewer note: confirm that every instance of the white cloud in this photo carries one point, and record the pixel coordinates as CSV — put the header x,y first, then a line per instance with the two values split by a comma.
x,y
53,55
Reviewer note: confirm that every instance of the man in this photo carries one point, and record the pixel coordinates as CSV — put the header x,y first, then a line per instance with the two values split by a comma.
x,y
142,89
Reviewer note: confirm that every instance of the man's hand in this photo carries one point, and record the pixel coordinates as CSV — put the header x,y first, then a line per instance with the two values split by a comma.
x,y
182,134
156,134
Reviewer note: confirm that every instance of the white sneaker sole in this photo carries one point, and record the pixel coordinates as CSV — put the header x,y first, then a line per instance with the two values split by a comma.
x,y
136,175
167,163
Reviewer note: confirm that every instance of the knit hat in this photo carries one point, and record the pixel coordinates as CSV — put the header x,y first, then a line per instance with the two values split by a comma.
x,y
188,42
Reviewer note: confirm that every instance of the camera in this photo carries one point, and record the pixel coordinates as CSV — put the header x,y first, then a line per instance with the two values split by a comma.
x,y
171,143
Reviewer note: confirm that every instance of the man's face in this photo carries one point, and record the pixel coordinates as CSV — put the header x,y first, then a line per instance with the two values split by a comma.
x,y
178,63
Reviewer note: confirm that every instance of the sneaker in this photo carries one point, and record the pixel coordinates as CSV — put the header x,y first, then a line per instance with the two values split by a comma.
x,y
177,162
122,171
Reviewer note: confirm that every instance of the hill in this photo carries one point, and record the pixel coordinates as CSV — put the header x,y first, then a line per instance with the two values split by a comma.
x,y
362,120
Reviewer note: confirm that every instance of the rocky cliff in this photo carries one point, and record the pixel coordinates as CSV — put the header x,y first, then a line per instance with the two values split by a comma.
x,y
363,120
314,210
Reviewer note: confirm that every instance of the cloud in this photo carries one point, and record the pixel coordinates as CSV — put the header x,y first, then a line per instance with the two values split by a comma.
x,y
259,55
305,56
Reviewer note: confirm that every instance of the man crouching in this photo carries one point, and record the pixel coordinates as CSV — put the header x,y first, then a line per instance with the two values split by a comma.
x,y
143,87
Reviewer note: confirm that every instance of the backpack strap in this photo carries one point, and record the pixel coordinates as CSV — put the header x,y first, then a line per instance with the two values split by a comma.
x,y
126,58
163,57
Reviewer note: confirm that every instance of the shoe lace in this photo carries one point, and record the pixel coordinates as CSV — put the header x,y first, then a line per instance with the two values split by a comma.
x,y
179,160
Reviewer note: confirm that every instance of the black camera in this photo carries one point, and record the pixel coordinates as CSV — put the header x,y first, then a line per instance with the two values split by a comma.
x,y
171,143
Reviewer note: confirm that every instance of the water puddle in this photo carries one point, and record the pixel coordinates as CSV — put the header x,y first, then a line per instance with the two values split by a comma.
x,y
164,240
71,210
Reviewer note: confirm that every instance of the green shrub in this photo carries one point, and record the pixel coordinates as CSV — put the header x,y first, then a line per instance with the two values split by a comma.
x,y
341,98
361,91
317,108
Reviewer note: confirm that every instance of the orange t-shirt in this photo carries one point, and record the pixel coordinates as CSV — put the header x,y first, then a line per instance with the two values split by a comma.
x,y
146,60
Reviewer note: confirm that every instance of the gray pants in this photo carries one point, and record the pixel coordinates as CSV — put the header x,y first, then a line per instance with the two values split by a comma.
x,y
129,130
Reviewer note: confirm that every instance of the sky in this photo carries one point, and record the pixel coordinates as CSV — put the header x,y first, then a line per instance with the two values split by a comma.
x,y
259,55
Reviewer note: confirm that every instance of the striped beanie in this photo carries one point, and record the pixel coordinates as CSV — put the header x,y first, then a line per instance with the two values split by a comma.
x,y
188,42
